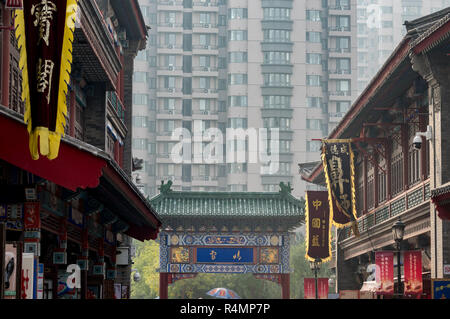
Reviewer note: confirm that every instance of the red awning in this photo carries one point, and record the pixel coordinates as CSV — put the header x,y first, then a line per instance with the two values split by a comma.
x,y
441,199
79,165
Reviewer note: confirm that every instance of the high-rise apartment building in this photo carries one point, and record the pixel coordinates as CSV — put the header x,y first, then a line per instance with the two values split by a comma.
x,y
381,27
246,64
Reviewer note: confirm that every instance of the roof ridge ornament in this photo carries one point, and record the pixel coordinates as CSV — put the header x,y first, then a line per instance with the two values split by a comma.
x,y
285,189
165,188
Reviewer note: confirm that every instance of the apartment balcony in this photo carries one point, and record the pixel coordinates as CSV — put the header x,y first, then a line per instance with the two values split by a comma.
x,y
200,93
340,52
170,27
170,5
338,74
169,114
335,94
170,49
339,31
201,49
205,28
339,9
205,71
205,181
335,117
169,92
205,6
171,70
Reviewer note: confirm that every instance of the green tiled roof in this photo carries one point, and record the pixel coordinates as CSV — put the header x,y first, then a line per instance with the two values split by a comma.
x,y
227,205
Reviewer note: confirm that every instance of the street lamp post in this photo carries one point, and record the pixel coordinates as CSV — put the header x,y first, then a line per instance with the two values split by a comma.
x,y
398,231
315,266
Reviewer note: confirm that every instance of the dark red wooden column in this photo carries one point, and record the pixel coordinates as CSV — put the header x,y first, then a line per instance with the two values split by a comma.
x,y
163,285
285,286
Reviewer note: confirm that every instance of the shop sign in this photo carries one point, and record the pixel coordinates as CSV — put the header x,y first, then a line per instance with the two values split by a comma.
x,y
412,261
384,261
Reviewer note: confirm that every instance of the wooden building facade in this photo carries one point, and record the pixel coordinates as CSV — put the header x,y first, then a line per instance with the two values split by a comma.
x,y
395,178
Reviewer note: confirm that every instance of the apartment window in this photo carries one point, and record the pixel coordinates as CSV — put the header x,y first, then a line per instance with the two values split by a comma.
x,y
151,83
284,168
168,126
204,82
313,124
313,15
151,148
277,13
313,36
237,35
236,168
343,86
205,39
274,35
140,121
140,77
237,13
343,22
313,80
139,143
140,99
204,61
204,105
169,17
237,122
169,82
279,122
205,18
343,43
313,58
237,100
169,104
237,188
141,56
237,57
387,24
170,39
313,101
285,146
277,57
277,79
342,106
271,187
313,146
386,10
167,169
277,101
236,78
343,65
170,60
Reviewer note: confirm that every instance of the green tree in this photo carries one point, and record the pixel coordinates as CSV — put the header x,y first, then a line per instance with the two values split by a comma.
x,y
147,263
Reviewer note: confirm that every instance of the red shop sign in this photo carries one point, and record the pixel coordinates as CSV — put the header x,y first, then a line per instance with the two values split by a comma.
x,y
413,272
384,261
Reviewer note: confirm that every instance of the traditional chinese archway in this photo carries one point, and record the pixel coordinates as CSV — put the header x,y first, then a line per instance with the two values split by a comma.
x,y
226,232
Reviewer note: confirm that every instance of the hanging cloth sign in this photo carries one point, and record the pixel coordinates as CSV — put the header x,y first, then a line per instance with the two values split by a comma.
x,y
413,272
309,286
384,276
318,244
338,164
44,32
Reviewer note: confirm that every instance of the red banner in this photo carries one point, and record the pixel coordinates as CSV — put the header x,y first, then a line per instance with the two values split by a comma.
x,y
32,217
322,287
384,277
412,261
318,226
310,288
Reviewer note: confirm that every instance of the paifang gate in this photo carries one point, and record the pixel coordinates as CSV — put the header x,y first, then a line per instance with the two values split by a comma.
x,y
226,232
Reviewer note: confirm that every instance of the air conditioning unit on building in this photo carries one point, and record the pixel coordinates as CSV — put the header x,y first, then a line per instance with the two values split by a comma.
x,y
206,25
206,69
205,112
171,90
171,67
170,46
206,47
205,91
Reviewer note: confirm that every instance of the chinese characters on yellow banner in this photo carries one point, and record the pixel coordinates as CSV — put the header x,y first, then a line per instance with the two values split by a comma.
x,y
338,163
44,32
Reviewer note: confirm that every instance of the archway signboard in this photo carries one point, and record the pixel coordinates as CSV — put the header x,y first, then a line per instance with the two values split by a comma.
x,y
226,232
